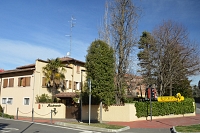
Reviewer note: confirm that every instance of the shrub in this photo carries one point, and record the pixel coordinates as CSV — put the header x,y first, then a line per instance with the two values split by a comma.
x,y
1,109
6,116
164,108
44,98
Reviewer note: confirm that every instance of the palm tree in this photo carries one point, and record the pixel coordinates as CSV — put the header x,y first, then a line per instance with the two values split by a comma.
x,y
54,73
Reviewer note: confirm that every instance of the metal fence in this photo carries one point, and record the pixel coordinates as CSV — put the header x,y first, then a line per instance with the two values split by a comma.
x,y
32,112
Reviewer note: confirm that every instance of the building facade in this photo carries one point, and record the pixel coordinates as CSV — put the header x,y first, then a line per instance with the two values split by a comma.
x,y
20,87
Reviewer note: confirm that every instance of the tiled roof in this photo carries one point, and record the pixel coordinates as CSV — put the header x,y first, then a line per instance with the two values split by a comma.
x,y
64,59
26,66
66,94
70,59
32,66
16,70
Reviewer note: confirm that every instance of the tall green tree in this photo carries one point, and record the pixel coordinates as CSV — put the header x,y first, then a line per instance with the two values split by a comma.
x,y
174,57
54,73
146,58
183,87
101,69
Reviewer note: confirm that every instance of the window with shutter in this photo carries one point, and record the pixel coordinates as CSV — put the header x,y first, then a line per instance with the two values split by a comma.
x,y
24,81
74,85
78,69
11,82
19,81
44,82
5,83
27,81
70,84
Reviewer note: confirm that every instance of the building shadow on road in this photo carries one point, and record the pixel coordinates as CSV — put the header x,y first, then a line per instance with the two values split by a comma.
x,y
3,125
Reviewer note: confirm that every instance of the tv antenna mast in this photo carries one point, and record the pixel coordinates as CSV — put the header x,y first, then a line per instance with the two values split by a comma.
x,y
72,23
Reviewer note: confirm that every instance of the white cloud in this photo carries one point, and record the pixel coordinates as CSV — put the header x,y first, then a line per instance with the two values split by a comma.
x,y
17,53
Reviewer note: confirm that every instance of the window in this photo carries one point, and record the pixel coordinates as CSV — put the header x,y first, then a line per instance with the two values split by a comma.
x,y
24,81
5,83
44,82
10,100
70,84
66,84
7,100
78,69
4,100
26,101
11,82
76,86
8,82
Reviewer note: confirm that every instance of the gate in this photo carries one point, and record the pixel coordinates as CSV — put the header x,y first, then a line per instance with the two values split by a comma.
x,y
72,109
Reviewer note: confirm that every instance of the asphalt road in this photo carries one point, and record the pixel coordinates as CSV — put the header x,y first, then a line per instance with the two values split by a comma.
x,y
198,108
13,126
198,105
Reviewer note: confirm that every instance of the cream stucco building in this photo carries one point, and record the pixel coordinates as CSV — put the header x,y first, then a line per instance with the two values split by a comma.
x,y
19,88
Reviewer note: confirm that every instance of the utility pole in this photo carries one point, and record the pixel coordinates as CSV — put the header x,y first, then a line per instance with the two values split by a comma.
x,y
151,103
89,84
72,23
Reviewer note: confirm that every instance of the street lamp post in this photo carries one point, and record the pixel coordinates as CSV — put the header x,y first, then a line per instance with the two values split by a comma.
x,y
89,83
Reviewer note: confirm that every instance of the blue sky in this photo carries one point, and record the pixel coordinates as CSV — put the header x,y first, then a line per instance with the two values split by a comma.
x,y
36,28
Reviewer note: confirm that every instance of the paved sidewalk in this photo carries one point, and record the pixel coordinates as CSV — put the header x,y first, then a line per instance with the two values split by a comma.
x,y
157,123
162,123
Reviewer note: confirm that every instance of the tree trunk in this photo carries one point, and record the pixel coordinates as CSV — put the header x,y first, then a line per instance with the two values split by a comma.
x,y
170,87
53,91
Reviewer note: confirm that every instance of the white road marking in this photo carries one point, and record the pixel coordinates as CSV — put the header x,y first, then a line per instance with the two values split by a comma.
x,y
90,132
6,129
44,124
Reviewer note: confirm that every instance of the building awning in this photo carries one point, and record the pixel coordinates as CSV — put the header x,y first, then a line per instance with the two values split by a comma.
x,y
66,94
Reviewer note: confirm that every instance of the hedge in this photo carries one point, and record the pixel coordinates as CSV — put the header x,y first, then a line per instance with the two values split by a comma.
x,y
5,115
164,108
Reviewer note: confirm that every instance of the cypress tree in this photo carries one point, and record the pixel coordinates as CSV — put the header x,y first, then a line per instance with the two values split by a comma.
x,y
100,69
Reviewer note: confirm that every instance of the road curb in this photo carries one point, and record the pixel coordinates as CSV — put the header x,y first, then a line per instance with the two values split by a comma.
x,y
91,127
174,130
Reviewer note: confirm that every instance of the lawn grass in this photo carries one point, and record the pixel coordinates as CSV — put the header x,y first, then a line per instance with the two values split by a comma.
x,y
100,125
192,128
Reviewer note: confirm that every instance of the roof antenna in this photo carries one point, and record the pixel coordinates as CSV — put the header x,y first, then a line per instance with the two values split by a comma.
x,y
72,23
